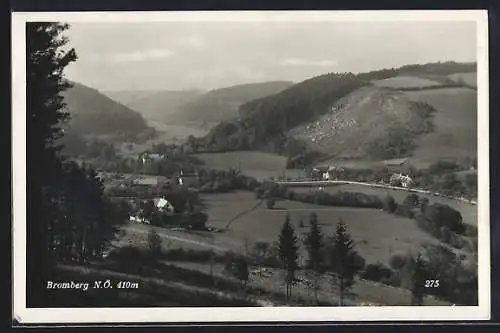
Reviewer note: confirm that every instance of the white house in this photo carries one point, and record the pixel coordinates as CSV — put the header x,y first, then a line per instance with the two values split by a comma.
x,y
398,179
163,205
139,219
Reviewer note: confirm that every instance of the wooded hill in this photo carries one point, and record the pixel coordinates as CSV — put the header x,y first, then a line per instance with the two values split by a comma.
x,y
222,104
271,122
92,113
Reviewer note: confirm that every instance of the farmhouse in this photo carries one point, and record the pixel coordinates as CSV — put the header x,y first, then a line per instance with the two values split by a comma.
x,y
163,205
398,179
326,172
139,219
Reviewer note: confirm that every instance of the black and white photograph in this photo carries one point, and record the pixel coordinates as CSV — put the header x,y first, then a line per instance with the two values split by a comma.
x,y
250,166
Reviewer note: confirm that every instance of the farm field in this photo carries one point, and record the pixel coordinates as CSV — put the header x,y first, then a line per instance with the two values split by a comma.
x,y
259,165
455,133
405,82
378,234
468,211
370,164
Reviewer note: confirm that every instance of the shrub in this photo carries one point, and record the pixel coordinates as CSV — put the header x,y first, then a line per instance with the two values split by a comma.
x,y
376,272
412,200
181,254
443,215
290,195
397,261
405,211
359,262
470,231
270,203
424,202
457,241
154,244
259,192
390,204
340,199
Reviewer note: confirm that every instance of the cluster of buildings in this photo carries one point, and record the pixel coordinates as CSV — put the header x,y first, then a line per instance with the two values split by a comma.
x,y
326,172
401,179
161,204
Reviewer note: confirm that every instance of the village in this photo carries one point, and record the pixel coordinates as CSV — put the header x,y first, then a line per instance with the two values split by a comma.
x,y
145,193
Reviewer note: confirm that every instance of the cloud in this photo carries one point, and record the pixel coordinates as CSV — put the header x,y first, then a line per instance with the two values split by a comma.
x,y
135,56
308,62
195,42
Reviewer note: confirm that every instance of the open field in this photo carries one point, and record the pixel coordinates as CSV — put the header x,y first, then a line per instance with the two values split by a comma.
x,y
405,82
370,164
259,165
455,133
378,234
363,291
468,78
468,211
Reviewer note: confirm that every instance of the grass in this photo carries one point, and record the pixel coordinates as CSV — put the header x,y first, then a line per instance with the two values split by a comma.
x,y
368,114
405,82
259,165
378,234
363,291
468,211
161,286
469,79
455,133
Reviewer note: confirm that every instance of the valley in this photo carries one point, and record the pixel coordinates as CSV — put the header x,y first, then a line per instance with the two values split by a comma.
x,y
223,155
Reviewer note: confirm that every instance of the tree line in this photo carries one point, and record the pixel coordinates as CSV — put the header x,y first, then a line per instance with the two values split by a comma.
x,y
441,221
68,217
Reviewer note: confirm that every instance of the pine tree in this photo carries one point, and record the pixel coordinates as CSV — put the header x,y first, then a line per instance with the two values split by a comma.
x,y
154,244
288,253
417,280
240,270
261,251
390,204
69,218
343,259
314,244
45,63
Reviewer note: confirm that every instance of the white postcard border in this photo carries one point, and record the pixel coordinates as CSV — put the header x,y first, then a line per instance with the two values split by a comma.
x,y
281,314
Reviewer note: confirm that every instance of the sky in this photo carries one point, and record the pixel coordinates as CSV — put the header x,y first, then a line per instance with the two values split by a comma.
x,y
209,55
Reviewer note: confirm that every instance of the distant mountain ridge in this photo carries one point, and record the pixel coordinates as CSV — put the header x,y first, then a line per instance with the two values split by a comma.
x,y
92,113
157,105
222,104
194,107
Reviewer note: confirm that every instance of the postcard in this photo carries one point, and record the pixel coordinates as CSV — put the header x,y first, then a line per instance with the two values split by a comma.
x,y
250,166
